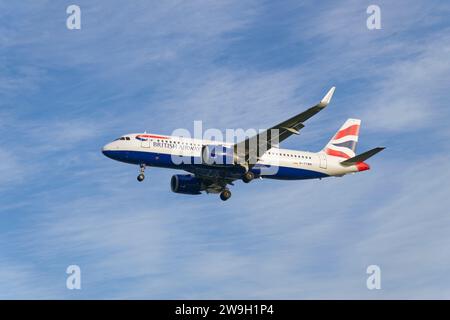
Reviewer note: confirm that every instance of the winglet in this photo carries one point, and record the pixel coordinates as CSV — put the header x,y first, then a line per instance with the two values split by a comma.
x,y
326,100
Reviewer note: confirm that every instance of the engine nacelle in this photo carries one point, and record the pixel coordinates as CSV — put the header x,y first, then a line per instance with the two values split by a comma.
x,y
218,155
185,183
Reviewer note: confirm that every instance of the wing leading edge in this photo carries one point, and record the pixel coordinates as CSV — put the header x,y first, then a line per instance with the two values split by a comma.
x,y
250,149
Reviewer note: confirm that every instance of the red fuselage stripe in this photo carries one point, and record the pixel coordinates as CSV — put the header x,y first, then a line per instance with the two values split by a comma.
x,y
151,136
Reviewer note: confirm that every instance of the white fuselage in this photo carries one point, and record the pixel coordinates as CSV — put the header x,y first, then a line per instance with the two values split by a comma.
x,y
166,151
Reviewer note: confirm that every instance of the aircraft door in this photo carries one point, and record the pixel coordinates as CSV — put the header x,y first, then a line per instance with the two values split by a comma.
x,y
323,161
145,143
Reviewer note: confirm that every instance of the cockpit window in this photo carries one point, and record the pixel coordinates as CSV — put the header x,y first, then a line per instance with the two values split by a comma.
x,y
123,138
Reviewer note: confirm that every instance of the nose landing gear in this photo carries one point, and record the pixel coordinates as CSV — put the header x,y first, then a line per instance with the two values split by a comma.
x,y
141,175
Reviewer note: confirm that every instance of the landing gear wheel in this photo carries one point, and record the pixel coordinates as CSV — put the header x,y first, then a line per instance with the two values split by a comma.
x,y
248,176
225,195
141,175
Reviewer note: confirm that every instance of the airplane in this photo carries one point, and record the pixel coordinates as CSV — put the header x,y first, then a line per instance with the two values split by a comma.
x,y
214,165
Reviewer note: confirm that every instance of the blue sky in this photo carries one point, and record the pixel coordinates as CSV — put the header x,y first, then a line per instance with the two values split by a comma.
x,y
158,66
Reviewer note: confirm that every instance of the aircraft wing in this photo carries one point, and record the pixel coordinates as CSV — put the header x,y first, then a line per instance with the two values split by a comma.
x,y
214,179
252,148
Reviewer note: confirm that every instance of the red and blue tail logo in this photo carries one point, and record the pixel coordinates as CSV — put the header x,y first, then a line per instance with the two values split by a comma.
x,y
343,143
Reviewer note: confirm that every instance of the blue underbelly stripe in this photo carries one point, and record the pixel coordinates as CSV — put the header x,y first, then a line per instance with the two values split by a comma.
x,y
164,160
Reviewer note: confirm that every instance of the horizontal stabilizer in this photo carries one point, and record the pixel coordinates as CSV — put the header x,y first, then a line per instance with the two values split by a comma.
x,y
362,157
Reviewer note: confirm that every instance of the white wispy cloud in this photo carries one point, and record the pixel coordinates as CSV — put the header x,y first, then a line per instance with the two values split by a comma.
x,y
157,66
300,245
401,73
20,281
10,170
413,93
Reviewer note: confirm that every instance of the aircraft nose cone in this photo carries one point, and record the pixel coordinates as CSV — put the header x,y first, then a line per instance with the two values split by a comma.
x,y
106,150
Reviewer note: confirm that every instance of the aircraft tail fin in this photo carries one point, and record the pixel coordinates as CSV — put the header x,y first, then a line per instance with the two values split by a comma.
x,y
343,143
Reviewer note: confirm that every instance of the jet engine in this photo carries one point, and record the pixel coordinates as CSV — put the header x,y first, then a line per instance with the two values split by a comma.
x,y
185,183
218,155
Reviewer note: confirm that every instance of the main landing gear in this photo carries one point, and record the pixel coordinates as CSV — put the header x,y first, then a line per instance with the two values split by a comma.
x,y
248,176
225,195
141,175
